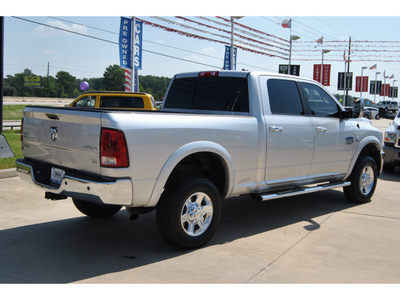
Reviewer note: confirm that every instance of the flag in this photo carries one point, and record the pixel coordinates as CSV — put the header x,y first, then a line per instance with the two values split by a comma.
x,y
287,23
373,67
320,40
391,77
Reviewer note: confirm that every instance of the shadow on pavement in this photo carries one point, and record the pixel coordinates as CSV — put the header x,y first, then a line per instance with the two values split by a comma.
x,y
74,249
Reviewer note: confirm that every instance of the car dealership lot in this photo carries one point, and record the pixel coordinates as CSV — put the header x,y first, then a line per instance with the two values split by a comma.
x,y
314,238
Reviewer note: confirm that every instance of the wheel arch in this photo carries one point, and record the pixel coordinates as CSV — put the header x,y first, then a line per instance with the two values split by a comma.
x,y
370,147
202,158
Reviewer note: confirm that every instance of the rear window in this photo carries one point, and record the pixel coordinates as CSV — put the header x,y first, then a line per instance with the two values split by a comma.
x,y
121,102
209,93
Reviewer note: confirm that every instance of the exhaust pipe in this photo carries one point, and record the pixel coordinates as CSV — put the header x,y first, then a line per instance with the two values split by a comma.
x,y
133,213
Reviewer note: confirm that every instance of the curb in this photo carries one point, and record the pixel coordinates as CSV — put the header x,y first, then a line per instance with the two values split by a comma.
x,y
8,173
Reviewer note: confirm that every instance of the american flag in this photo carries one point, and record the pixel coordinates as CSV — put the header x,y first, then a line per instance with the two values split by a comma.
x,y
287,23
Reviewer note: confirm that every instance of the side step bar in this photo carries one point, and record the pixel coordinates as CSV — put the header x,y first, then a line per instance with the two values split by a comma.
x,y
302,190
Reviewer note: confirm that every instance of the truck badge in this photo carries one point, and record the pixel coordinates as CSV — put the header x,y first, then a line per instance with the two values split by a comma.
x,y
53,133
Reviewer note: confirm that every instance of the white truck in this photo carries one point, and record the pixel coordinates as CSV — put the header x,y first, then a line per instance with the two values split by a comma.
x,y
219,134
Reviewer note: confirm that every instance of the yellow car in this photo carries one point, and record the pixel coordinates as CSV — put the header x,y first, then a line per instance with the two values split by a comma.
x,y
117,100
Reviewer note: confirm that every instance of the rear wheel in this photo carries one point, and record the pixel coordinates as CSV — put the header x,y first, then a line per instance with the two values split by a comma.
x,y
96,210
189,212
363,181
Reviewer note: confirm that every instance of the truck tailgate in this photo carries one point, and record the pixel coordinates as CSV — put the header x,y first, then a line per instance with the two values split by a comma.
x,y
63,136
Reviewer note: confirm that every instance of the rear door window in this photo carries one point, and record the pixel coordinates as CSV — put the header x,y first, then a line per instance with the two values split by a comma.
x,y
284,97
209,93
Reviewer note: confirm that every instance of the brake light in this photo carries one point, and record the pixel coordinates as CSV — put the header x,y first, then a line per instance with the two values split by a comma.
x,y
113,149
209,74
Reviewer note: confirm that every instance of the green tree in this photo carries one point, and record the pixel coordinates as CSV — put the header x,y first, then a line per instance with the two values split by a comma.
x,y
66,85
114,78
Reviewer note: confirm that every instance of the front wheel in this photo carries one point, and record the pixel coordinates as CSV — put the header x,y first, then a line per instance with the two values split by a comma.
x,y
189,212
96,210
363,181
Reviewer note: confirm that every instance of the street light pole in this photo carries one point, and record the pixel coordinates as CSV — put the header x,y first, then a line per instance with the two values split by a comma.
x,y
292,38
232,41
376,85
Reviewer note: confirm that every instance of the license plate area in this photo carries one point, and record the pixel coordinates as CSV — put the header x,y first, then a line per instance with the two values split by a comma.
x,y
56,175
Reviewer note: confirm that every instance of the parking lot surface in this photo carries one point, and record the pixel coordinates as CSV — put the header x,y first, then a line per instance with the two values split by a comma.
x,y
314,238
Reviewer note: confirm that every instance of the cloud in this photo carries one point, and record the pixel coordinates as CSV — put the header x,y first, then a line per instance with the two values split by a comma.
x,y
51,52
51,29
208,51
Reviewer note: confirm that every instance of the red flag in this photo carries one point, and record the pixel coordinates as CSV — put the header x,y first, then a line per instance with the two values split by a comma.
x,y
320,40
391,77
373,67
287,23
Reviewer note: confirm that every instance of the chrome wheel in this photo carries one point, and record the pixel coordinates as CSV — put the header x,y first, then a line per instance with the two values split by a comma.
x,y
367,180
197,214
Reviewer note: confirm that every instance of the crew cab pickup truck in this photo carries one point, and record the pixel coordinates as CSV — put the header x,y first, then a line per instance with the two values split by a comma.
x,y
115,100
218,135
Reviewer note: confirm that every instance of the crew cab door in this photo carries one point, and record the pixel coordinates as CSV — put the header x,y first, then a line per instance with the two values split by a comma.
x,y
289,132
334,138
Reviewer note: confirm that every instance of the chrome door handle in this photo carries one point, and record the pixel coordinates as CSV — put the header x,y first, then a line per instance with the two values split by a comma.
x,y
321,129
275,128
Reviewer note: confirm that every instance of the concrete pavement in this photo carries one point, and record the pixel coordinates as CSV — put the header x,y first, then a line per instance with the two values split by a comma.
x,y
314,238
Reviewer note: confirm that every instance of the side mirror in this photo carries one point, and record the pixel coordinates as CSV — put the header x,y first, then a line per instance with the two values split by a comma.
x,y
358,108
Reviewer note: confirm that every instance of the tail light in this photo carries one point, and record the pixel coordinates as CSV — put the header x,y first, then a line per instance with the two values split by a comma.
x,y
22,133
113,149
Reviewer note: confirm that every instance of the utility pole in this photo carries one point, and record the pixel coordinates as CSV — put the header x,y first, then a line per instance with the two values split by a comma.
x,y
346,102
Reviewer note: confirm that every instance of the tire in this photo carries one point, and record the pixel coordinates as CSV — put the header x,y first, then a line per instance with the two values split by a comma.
x,y
377,117
188,213
96,210
363,181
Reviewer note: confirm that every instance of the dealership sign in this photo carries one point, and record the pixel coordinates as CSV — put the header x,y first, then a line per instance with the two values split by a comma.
x,y
125,47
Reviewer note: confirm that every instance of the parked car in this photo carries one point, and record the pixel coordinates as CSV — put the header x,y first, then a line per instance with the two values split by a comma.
x,y
371,113
116,100
392,145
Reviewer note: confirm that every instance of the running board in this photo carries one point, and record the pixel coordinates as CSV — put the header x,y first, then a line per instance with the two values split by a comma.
x,y
302,190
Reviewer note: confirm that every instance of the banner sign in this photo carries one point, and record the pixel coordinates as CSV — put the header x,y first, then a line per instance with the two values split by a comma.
x,y
362,83
227,58
349,81
385,91
326,74
125,43
294,69
32,81
394,91
138,36
375,84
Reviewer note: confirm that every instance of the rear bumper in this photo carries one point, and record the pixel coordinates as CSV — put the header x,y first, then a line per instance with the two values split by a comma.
x,y
116,191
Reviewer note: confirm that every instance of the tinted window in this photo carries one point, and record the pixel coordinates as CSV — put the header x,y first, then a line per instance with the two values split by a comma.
x,y
121,102
320,102
284,97
209,93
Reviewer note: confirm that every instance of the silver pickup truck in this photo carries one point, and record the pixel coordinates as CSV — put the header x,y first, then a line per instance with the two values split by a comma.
x,y
219,134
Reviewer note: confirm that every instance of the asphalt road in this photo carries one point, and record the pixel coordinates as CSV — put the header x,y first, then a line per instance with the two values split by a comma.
x,y
314,238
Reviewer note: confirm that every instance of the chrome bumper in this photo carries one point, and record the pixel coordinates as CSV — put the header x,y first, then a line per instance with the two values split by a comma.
x,y
118,191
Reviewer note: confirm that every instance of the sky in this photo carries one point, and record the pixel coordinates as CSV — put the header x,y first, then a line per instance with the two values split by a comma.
x,y
29,43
